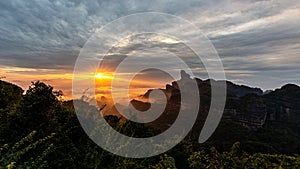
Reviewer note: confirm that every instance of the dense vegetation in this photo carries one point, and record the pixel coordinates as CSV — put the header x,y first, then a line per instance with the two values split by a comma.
x,y
39,130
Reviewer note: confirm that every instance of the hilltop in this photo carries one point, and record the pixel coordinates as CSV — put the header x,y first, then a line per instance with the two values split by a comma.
x,y
250,115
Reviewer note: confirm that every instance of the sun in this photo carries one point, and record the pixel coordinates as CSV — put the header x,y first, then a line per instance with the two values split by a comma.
x,y
99,76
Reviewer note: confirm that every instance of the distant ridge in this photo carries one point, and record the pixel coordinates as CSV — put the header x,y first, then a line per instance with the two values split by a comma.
x,y
246,106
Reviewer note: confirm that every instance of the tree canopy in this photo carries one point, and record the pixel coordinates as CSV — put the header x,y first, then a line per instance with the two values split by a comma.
x,y
38,130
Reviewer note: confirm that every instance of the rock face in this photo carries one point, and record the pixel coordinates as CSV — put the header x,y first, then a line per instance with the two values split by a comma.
x,y
246,106
252,111
284,104
241,90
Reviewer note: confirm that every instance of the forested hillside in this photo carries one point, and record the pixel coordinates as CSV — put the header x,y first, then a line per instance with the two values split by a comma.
x,y
40,130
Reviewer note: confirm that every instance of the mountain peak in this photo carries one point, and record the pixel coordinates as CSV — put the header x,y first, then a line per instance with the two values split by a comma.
x,y
290,87
184,75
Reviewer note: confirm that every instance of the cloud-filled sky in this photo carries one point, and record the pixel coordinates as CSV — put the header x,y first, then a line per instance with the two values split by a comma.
x,y
258,41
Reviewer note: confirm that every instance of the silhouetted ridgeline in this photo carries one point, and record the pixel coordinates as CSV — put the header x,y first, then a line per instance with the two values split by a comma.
x,y
269,120
38,130
247,106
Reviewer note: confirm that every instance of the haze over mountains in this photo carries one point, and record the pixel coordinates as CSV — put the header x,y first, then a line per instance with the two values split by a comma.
x,y
247,106
262,122
267,122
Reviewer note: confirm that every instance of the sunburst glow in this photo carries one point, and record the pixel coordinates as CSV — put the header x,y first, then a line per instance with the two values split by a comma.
x,y
100,75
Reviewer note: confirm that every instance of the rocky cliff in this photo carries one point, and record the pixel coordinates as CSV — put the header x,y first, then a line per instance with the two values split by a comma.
x,y
245,105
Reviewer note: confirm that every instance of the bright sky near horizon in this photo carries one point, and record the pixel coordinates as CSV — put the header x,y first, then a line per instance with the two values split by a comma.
x,y
258,41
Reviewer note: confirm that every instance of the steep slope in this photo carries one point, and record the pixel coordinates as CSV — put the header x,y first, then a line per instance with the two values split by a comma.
x,y
284,104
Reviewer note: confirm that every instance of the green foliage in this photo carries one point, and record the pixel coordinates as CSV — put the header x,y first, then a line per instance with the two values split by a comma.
x,y
135,129
237,159
10,98
20,155
39,101
165,162
42,113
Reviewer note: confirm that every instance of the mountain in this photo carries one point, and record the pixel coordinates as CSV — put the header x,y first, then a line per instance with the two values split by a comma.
x,y
284,104
245,105
38,131
265,123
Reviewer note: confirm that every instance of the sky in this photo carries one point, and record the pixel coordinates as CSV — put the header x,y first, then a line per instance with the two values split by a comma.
x,y
258,41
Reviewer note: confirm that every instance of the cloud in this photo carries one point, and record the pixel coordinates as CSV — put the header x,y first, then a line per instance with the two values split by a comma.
x,y
50,33
260,38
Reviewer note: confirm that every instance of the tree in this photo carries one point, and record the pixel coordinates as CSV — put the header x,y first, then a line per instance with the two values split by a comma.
x,y
165,162
10,98
38,105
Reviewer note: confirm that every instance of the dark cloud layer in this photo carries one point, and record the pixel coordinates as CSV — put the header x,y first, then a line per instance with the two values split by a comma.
x,y
258,41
